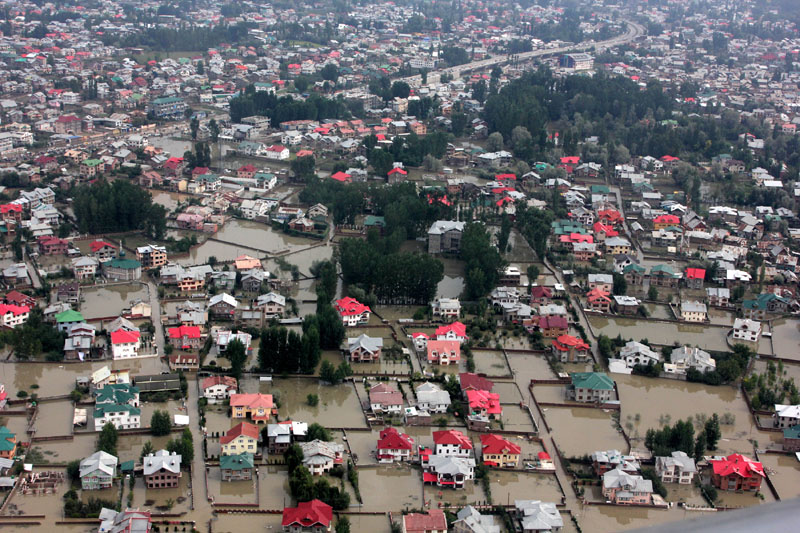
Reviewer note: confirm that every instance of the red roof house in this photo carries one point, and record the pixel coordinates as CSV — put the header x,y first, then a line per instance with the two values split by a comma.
x,y
394,446
456,331
737,472
470,381
308,516
433,521
241,429
484,403
498,451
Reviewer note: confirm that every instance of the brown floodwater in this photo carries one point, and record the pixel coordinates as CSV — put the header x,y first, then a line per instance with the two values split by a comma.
x,y
784,472
169,200
516,418
54,418
509,486
529,366
610,519
652,399
707,338
260,236
581,431
452,284
230,491
222,251
491,363
406,488
785,337
110,301
508,391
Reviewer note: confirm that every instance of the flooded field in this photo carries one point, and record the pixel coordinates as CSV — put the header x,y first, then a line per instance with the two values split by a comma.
x,y
260,236
54,418
222,251
658,311
610,519
508,391
579,431
491,363
304,258
471,494
550,393
338,405
743,499
530,366
721,316
64,451
405,483
273,487
515,418
785,336
508,486
702,336
47,504
169,200
229,491
452,284
161,498
784,472
648,402
363,444
110,301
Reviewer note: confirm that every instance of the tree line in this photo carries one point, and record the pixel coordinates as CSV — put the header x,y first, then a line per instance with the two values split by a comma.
x,y
116,207
285,108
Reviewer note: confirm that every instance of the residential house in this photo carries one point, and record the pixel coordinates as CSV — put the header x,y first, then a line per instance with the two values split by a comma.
x,y
591,387
222,306
444,236
364,348
685,357
552,327
84,267
125,344
603,461
500,452
241,438
127,521
469,381
162,470
448,471
786,416
456,331
444,352
394,446
151,256
664,276
634,274
570,349
677,468
8,443
69,292
764,306
626,305
185,337
635,353
272,304
308,517
746,330
604,282
281,435
432,398
694,278
97,472
694,311
598,300
12,316
352,311
737,472
791,439
66,319
534,516
622,488
121,416
184,362
238,467
452,443
385,398
121,269
217,389
484,403
433,521
718,296
256,406
320,456
469,520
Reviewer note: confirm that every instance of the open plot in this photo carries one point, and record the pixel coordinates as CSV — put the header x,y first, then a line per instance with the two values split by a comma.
x,y
785,333
700,335
217,420
391,488
172,407
579,431
129,447
650,403
363,444
530,366
508,391
784,472
338,404
49,504
371,523
508,486
490,362
238,523
550,393
471,494
54,418
743,499
516,418
64,451
273,487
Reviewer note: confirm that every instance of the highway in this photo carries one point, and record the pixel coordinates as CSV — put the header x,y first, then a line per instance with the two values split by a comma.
x,y
634,31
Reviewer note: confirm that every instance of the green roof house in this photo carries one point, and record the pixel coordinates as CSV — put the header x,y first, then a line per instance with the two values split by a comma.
x,y
236,467
591,387
122,269
66,319
8,443
122,416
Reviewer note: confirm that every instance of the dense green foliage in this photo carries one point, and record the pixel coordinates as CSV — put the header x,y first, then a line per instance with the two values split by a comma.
x,y
482,260
74,507
119,206
107,440
237,355
183,445
285,108
282,350
160,423
34,337
396,277
189,38
662,442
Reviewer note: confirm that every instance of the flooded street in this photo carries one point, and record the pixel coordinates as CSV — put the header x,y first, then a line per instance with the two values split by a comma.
x,y
663,333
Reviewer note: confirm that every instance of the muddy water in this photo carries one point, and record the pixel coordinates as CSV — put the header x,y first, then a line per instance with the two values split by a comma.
x,y
175,147
529,366
708,338
452,284
784,472
550,393
658,311
260,236
516,418
50,505
650,399
65,451
722,317
304,258
385,365
520,249
239,523
743,499
508,391
169,200
491,363
363,445
172,407
54,418
110,301
230,491
406,483
273,487
579,431
222,251
611,519
129,447
785,336
508,486
153,498
338,405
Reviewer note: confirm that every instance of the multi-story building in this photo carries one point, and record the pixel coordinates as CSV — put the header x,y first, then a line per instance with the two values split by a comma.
x,y
444,236
162,470
151,256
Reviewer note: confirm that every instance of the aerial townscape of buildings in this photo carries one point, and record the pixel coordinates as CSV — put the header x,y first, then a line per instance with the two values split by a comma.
x,y
397,267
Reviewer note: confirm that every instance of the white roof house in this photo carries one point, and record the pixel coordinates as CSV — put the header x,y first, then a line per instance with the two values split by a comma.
x,y
161,460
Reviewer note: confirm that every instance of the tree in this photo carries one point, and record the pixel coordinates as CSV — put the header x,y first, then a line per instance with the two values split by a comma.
x,y
700,445
504,234
662,442
479,91
147,449
303,167
330,72
74,470
620,285
327,372
237,355
107,440
316,431
494,143
533,273
160,423
293,456
301,484
458,122
521,142
194,125
301,84
343,525
213,129
713,432
400,89
652,293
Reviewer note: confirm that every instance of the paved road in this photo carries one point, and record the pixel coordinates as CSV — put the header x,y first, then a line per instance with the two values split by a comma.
x,y
634,31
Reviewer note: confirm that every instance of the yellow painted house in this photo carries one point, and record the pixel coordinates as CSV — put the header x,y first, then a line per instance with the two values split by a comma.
x,y
241,438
